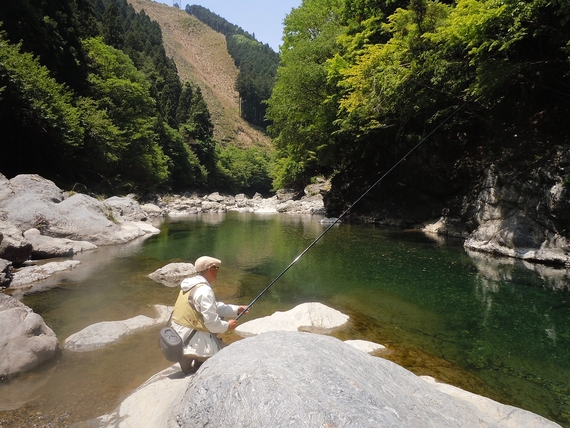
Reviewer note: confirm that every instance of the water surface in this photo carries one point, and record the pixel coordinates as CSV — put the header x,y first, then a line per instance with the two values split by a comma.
x,y
493,327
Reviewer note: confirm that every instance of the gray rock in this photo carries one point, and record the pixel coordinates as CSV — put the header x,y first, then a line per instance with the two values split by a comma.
x,y
30,274
25,339
45,247
291,379
126,209
173,273
152,210
29,201
5,273
105,333
14,247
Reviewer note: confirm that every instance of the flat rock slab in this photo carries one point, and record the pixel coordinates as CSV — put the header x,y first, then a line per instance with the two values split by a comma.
x,y
30,274
106,333
293,379
310,317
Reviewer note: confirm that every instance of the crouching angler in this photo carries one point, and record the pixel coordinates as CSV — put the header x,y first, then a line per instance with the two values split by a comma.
x,y
197,316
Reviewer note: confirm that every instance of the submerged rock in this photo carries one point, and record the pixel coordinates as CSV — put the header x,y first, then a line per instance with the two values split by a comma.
x,y
300,379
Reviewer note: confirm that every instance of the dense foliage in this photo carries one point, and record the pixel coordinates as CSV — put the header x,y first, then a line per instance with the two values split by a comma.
x,y
88,95
257,64
361,82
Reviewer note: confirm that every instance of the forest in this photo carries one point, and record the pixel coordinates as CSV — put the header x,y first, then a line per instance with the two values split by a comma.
x,y
89,99
361,82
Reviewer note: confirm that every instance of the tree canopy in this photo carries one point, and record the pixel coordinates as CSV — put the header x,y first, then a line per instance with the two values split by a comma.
x,y
361,82
88,95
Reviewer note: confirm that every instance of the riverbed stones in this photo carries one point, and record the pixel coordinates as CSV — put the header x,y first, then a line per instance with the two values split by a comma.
x,y
105,333
173,273
300,379
311,317
25,340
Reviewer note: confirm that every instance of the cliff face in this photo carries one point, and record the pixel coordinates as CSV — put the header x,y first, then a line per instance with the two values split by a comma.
x,y
515,205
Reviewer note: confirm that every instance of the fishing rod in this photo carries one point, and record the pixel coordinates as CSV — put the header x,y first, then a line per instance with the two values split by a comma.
x,y
345,212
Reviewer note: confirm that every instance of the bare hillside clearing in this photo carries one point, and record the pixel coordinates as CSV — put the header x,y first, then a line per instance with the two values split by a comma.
x,y
201,57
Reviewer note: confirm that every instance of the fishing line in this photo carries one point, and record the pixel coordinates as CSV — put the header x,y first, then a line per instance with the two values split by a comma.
x,y
348,209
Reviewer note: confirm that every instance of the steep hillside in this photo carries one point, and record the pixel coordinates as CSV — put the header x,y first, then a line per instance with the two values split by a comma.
x,y
201,57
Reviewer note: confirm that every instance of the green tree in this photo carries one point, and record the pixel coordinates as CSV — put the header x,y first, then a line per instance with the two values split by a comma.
x,y
40,126
123,93
303,104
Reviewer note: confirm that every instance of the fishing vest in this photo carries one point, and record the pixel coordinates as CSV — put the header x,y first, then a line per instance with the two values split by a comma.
x,y
185,312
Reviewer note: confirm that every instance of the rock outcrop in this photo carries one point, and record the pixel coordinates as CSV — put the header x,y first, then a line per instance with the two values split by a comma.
x,y
25,340
525,218
302,379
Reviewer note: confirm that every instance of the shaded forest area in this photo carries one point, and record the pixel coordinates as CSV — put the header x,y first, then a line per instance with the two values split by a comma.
x,y
89,99
361,82
257,64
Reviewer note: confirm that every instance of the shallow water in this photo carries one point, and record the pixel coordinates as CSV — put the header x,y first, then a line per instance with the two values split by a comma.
x,y
494,327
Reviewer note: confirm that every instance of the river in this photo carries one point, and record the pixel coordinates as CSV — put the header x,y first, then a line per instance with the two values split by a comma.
x,y
496,327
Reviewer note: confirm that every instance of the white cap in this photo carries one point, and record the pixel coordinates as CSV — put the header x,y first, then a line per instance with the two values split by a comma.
x,y
205,262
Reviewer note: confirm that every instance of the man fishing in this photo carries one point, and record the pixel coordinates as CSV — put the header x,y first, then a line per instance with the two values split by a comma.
x,y
197,316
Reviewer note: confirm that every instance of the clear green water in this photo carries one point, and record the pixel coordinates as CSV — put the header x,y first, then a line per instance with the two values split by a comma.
x,y
496,328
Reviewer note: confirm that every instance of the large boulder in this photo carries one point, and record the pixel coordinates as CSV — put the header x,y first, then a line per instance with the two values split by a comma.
x,y
30,201
300,379
13,245
25,339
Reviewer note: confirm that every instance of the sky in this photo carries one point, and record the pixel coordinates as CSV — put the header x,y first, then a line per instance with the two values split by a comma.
x,y
262,18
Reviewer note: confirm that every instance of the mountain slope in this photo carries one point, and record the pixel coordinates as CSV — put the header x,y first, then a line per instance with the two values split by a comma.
x,y
201,57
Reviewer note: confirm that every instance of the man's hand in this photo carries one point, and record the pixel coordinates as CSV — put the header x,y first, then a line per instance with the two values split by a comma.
x,y
241,309
232,325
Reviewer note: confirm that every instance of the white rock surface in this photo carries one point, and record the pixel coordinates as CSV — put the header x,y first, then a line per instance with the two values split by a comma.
x,y
294,379
311,317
